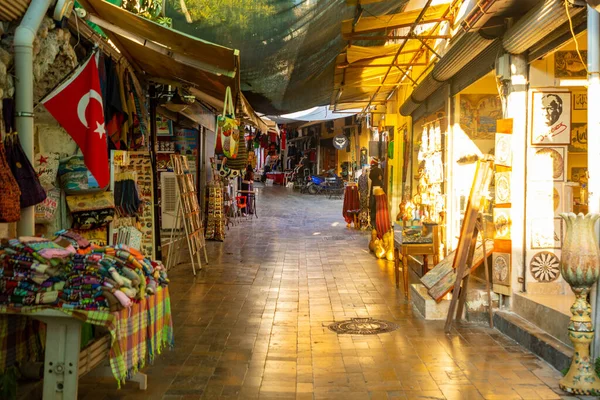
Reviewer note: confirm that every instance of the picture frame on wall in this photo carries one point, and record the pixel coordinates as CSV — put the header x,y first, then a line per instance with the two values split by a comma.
x,y
580,101
547,164
502,223
551,118
545,199
568,64
546,233
578,173
503,155
164,126
579,132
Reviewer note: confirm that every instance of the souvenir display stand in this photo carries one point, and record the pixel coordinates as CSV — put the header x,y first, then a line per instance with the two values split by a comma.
x,y
188,214
137,164
215,223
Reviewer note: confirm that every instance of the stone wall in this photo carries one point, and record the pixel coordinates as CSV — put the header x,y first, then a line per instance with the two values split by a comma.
x,y
54,58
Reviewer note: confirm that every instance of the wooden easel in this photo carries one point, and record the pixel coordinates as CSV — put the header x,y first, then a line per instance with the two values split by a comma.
x,y
472,225
188,214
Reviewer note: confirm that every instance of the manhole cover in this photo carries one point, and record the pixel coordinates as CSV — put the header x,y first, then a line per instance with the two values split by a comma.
x,y
363,326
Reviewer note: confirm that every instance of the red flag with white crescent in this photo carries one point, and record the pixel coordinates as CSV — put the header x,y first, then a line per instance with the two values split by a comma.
x,y
77,106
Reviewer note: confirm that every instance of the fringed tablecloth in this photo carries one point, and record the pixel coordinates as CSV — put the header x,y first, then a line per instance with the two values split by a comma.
x,y
138,333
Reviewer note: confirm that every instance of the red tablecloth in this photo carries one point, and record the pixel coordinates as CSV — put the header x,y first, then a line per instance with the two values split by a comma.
x,y
278,177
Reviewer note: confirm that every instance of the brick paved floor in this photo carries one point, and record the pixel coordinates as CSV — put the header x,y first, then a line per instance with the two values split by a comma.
x,y
253,324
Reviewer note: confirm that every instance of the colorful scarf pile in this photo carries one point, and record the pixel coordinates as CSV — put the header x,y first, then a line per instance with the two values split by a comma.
x,y
70,273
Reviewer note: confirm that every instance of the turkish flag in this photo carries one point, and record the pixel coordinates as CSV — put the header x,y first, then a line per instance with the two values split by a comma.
x,y
77,106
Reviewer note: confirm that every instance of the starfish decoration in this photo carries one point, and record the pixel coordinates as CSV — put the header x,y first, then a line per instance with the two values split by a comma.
x,y
43,160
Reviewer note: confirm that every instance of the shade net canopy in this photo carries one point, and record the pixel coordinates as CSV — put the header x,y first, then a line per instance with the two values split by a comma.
x,y
288,48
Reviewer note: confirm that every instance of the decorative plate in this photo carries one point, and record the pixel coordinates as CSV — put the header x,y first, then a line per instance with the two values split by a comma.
x,y
558,163
545,266
501,268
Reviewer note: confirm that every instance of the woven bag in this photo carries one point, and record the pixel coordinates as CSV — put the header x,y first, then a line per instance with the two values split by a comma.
x,y
241,161
10,209
32,192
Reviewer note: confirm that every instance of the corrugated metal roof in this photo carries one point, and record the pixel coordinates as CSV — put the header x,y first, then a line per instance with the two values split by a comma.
x,y
12,9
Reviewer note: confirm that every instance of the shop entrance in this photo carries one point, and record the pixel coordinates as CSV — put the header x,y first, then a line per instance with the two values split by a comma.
x,y
329,159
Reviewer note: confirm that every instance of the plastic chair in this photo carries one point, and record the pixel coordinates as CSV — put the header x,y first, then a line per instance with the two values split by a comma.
x,y
241,204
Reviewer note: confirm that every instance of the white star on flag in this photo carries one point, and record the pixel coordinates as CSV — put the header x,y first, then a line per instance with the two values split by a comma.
x,y
100,129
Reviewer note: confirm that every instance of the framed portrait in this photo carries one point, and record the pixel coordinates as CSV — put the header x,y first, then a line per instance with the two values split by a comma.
x,y
546,233
580,101
578,138
547,164
551,118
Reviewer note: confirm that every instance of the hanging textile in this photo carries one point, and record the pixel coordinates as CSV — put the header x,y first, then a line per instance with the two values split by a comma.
x,y
382,215
351,205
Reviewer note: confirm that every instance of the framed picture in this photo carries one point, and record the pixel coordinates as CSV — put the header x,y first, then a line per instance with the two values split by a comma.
x,y
501,268
164,126
546,233
568,64
502,187
580,101
577,173
502,223
544,199
478,115
551,123
578,138
503,153
547,164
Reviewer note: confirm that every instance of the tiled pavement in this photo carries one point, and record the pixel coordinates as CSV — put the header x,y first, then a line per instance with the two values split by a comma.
x,y
253,324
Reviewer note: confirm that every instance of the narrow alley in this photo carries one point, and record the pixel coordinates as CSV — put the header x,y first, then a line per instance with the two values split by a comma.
x,y
254,324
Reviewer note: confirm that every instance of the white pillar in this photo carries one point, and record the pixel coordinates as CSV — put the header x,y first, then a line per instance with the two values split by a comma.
x,y
593,117
517,110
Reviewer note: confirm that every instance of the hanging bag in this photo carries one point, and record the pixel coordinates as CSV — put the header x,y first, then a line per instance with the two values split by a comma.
x,y
32,192
10,209
241,161
228,135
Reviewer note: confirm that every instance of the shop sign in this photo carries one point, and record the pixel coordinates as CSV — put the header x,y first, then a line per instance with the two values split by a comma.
x,y
340,142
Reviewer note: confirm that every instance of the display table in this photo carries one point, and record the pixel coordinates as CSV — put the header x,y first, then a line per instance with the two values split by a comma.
x,y
137,333
278,177
407,246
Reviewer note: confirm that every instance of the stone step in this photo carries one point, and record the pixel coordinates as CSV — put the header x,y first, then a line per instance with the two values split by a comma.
x,y
534,339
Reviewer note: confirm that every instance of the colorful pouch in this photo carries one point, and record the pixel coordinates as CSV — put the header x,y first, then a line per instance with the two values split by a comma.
x,y
92,210
75,178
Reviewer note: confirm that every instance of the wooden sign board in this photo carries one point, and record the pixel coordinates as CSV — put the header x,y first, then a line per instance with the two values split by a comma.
x,y
444,285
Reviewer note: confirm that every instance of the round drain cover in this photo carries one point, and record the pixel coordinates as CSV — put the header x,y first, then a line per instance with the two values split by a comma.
x,y
363,326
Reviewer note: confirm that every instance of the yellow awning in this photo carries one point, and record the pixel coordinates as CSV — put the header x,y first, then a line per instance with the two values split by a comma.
x,y
165,55
393,21
180,44
205,68
359,53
